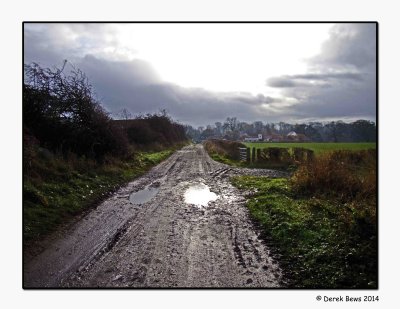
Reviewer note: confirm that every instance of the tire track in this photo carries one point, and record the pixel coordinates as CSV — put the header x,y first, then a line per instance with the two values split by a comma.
x,y
164,242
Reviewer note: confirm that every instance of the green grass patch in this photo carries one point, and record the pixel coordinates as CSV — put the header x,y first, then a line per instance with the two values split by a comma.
x,y
224,159
227,152
318,148
267,165
323,243
55,189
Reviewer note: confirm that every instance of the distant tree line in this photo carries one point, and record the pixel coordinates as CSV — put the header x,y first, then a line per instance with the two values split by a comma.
x,y
61,112
334,131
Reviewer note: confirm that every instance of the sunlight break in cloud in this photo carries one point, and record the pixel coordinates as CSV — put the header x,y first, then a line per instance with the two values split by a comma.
x,y
203,73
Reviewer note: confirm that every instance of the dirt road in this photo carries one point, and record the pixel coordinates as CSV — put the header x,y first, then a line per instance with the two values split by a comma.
x,y
165,242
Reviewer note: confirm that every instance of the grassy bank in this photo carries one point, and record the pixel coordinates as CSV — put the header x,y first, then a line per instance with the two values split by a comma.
x,y
227,152
224,159
224,151
323,243
267,165
281,156
318,148
75,154
55,189
322,220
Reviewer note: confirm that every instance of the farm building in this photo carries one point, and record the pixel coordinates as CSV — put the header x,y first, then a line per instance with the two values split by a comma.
x,y
297,137
254,139
274,138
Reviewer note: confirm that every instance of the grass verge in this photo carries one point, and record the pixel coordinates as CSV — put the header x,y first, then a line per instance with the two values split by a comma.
x,y
219,157
224,159
318,148
267,165
322,242
56,189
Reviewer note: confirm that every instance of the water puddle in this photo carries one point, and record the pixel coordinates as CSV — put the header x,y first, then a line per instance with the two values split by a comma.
x,y
145,195
199,195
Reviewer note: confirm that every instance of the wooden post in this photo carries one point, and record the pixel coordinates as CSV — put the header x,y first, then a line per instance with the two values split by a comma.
x,y
310,155
253,155
248,154
258,154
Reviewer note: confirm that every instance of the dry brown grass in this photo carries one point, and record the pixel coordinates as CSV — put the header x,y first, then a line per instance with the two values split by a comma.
x,y
348,174
224,148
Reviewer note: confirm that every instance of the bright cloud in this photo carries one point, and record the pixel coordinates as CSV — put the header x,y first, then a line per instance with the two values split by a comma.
x,y
205,72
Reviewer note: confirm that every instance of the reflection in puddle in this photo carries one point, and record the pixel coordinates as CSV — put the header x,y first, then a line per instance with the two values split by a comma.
x,y
144,195
199,195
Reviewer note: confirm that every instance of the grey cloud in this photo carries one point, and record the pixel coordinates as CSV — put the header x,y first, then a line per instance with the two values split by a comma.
x,y
341,81
329,76
49,44
305,80
333,87
285,82
197,106
135,84
118,76
349,45
268,100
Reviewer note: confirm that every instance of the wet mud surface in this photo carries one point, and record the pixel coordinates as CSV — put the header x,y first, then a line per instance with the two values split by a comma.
x,y
159,239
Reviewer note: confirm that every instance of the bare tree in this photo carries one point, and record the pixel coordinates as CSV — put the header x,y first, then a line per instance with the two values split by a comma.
x,y
125,114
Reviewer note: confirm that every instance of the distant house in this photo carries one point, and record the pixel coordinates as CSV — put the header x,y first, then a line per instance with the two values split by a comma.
x,y
259,138
297,137
274,138
302,138
251,139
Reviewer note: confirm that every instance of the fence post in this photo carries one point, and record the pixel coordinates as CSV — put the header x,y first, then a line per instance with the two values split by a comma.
x,y
253,155
310,155
248,154
258,154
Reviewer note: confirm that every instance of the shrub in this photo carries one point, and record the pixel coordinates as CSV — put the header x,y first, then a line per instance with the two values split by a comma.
x,y
349,174
62,113
271,154
299,154
139,132
153,130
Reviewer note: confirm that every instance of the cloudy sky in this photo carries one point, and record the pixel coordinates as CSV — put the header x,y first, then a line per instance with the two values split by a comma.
x,y
202,73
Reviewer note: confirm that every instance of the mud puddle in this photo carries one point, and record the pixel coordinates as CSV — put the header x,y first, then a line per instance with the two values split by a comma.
x,y
144,195
199,195
164,242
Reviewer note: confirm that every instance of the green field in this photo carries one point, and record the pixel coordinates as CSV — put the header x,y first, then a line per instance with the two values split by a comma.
x,y
318,148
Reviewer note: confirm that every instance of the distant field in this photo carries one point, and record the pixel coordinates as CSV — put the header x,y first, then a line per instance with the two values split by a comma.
x,y
316,147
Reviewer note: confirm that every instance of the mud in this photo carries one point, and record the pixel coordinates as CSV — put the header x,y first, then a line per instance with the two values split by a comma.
x,y
163,241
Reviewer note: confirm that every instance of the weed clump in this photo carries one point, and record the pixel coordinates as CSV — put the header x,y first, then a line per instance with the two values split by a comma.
x,y
346,174
322,221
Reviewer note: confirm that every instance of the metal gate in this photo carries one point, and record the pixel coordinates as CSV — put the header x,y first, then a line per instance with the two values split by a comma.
x,y
243,154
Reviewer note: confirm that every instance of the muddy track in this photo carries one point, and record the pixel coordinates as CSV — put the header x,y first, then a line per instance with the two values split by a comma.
x,y
163,242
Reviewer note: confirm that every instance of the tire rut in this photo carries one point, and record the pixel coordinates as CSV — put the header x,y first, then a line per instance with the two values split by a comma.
x,y
164,242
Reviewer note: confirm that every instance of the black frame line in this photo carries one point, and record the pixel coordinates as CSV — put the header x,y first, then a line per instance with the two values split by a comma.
x,y
214,22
